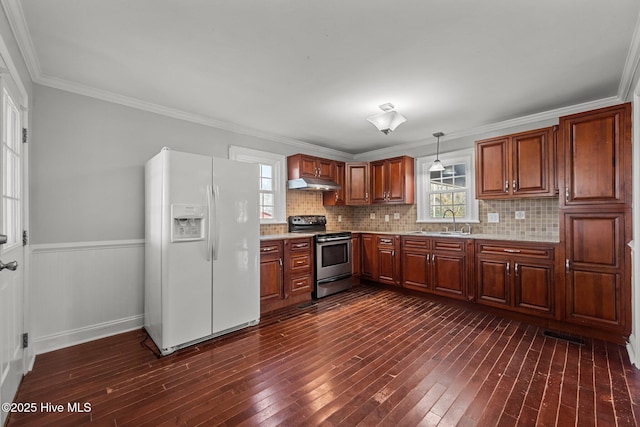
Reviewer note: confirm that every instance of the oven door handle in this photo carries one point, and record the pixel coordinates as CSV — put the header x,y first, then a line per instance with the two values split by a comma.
x,y
334,279
332,239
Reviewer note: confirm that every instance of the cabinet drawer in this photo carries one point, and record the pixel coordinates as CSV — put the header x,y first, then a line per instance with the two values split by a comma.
x,y
385,241
299,245
301,284
415,243
300,263
271,250
449,245
529,251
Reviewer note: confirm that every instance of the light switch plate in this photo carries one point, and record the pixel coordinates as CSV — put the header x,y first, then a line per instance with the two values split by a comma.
x,y
396,215
372,215
493,217
520,215
386,218
339,218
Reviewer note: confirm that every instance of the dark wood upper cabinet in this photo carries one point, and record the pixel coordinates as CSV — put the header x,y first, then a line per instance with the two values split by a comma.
x,y
515,166
357,183
336,197
392,181
304,166
595,150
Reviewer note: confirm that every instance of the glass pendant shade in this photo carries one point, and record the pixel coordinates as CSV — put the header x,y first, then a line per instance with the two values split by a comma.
x,y
436,166
387,121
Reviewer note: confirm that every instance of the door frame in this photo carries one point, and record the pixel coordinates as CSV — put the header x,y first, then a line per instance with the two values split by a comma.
x,y
12,71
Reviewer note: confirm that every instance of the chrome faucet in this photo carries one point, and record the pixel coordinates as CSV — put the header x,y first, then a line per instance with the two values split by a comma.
x,y
453,214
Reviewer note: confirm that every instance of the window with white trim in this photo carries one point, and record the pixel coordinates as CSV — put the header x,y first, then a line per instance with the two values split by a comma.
x,y
453,188
272,182
11,174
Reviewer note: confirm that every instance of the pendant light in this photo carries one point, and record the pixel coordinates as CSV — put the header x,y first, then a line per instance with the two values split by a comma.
x,y
437,164
387,121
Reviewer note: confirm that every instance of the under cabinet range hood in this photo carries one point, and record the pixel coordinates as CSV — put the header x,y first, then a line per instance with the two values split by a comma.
x,y
312,184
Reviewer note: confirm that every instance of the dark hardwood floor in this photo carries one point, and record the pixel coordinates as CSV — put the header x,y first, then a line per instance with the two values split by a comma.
x,y
364,357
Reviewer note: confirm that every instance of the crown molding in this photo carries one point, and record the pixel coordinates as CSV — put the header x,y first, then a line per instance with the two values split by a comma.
x,y
631,65
519,121
131,102
18,24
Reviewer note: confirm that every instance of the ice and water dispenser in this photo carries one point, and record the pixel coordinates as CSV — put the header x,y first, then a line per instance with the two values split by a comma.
x,y
188,222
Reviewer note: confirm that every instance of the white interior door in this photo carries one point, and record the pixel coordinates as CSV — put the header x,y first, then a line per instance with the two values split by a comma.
x,y
12,293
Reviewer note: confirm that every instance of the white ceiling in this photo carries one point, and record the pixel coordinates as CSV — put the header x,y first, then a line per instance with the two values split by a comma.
x,y
312,71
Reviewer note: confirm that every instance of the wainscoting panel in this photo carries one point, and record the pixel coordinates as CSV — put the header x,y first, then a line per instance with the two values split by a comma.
x,y
84,291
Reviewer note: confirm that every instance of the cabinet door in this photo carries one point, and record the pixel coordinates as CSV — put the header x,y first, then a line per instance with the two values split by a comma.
x,y
367,256
415,270
531,172
357,183
493,281
388,268
595,266
396,180
533,286
415,263
596,156
355,255
449,274
326,169
337,197
308,167
378,182
271,274
492,168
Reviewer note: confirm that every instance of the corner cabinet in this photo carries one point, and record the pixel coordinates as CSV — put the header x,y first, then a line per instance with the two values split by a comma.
x,y
515,276
392,181
286,273
516,166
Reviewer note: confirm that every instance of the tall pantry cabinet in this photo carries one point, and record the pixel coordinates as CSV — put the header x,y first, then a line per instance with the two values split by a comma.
x,y
594,161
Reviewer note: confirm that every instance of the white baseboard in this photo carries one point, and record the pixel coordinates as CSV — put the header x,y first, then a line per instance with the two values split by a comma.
x,y
81,335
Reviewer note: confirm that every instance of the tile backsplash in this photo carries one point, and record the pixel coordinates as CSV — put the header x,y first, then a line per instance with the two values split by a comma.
x,y
541,216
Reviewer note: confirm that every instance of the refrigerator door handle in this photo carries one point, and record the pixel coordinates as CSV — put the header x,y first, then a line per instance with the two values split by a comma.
x,y
216,223
210,216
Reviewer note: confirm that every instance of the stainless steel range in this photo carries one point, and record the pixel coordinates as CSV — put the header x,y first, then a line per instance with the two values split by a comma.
x,y
332,254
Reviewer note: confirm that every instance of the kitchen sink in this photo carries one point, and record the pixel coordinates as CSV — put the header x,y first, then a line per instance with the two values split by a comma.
x,y
441,233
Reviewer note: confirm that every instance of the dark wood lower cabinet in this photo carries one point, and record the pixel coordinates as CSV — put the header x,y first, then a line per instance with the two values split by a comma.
x,y
271,271
388,259
367,257
516,276
434,265
595,269
286,272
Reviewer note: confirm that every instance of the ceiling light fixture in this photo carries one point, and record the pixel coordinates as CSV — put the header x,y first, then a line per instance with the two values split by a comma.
x,y
387,121
437,164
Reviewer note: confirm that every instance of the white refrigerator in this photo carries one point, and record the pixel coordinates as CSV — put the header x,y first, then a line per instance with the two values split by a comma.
x,y
202,238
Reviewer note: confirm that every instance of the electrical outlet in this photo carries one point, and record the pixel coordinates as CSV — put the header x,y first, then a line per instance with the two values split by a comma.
x,y
386,218
339,218
372,215
396,215
520,215
493,217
